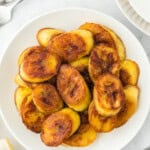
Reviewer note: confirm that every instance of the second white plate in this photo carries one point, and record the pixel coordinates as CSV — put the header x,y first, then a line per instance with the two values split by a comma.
x,y
142,7
133,17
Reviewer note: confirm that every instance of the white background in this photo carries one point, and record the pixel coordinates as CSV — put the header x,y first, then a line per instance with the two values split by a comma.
x,y
29,9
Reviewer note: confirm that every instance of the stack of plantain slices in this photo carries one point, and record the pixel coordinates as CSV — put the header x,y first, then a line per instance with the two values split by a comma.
x,y
75,84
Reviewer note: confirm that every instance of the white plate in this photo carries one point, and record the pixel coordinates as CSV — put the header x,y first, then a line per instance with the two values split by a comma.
x,y
142,7
69,19
133,17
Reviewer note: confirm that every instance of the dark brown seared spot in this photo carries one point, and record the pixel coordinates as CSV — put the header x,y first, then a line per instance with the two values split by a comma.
x,y
72,48
53,80
111,94
45,100
86,76
47,95
62,127
73,90
84,117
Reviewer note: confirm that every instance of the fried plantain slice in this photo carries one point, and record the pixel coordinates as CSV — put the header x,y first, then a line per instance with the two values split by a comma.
x,y
73,88
129,72
38,65
44,35
46,98
98,122
31,117
83,137
21,93
118,44
72,45
103,59
101,35
59,126
108,95
131,104
19,81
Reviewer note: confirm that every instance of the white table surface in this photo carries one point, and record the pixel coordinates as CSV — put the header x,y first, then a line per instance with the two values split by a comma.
x,y
29,9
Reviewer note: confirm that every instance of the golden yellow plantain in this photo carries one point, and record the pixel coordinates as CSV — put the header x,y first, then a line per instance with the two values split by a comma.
x,y
108,95
72,45
21,93
44,35
129,72
59,126
46,98
131,104
38,65
73,88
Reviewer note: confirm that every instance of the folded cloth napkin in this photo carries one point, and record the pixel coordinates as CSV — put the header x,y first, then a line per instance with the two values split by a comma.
x,y
5,144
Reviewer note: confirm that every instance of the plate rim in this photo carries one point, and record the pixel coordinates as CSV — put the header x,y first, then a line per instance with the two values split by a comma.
x,y
59,10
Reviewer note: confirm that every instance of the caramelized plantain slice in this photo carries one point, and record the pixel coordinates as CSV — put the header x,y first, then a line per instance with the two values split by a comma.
x,y
72,45
101,35
59,126
38,65
46,98
21,93
129,72
103,59
19,81
108,95
98,122
83,137
73,88
44,35
31,117
131,104
118,44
